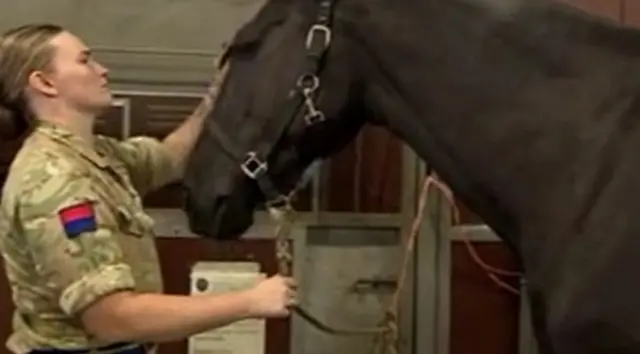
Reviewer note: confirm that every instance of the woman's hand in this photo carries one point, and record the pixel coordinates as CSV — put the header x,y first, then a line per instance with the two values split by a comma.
x,y
220,74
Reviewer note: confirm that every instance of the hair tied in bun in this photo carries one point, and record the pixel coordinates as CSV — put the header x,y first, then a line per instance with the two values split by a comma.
x,y
12,124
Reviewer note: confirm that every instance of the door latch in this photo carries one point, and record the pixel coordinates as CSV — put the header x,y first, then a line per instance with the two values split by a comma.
x,y
374,285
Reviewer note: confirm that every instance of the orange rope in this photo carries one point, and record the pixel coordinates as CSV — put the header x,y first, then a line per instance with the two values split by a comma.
x,y
492,272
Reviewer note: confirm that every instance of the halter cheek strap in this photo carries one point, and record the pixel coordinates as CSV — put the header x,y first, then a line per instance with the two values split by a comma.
x,y
253,162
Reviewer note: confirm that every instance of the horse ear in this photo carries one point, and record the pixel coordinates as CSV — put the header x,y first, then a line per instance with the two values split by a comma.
x,y
273,13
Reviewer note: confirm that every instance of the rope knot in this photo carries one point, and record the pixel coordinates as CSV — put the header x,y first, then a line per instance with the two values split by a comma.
x,y
390,323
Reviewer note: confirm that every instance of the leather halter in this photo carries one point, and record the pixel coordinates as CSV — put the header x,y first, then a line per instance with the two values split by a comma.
x,y
253,162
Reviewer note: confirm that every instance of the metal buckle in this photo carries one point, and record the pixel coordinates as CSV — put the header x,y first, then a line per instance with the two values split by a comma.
x,y
252,165
314,117
319,28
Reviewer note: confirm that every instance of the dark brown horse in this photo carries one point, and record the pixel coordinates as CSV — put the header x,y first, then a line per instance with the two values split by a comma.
x,y
529,110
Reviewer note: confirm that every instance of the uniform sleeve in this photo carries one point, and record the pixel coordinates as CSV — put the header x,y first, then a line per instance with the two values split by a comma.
x,y
149,163
70,234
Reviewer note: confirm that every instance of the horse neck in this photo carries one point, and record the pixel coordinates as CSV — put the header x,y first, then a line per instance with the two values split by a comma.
x,y
515,112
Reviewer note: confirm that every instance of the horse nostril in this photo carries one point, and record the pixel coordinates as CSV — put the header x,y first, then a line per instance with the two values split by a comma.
x,y
203,214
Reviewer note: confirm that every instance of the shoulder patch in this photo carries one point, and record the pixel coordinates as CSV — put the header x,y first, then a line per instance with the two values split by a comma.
x,y
78,218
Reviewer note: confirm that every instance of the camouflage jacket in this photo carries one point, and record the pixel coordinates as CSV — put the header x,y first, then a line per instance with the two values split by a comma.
x,y
75,230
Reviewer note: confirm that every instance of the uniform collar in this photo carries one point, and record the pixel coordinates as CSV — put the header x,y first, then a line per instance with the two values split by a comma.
x,y
73,141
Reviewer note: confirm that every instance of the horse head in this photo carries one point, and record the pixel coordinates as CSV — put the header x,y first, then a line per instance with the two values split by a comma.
x,y
280,108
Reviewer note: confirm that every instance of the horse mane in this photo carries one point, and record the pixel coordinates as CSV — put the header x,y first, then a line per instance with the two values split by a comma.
x,y
584,26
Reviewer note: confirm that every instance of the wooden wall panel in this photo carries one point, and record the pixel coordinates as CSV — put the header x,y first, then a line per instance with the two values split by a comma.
x,y
365,177
484,318
631,13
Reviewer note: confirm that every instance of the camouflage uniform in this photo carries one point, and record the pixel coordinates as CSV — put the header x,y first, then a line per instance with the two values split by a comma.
x,y
77,230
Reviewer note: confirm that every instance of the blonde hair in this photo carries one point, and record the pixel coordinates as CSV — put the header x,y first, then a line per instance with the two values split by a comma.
x,y
23,50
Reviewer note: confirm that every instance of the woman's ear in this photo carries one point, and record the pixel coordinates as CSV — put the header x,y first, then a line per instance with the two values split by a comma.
x,y
39,82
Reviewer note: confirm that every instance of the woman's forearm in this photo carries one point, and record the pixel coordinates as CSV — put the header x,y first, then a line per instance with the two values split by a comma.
x,y
181,141
160,318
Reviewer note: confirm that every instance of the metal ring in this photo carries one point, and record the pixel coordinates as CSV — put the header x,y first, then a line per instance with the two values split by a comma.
x,y
313,79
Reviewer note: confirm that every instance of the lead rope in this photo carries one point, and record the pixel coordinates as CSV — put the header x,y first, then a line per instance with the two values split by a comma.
x,y
386,333
492,272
